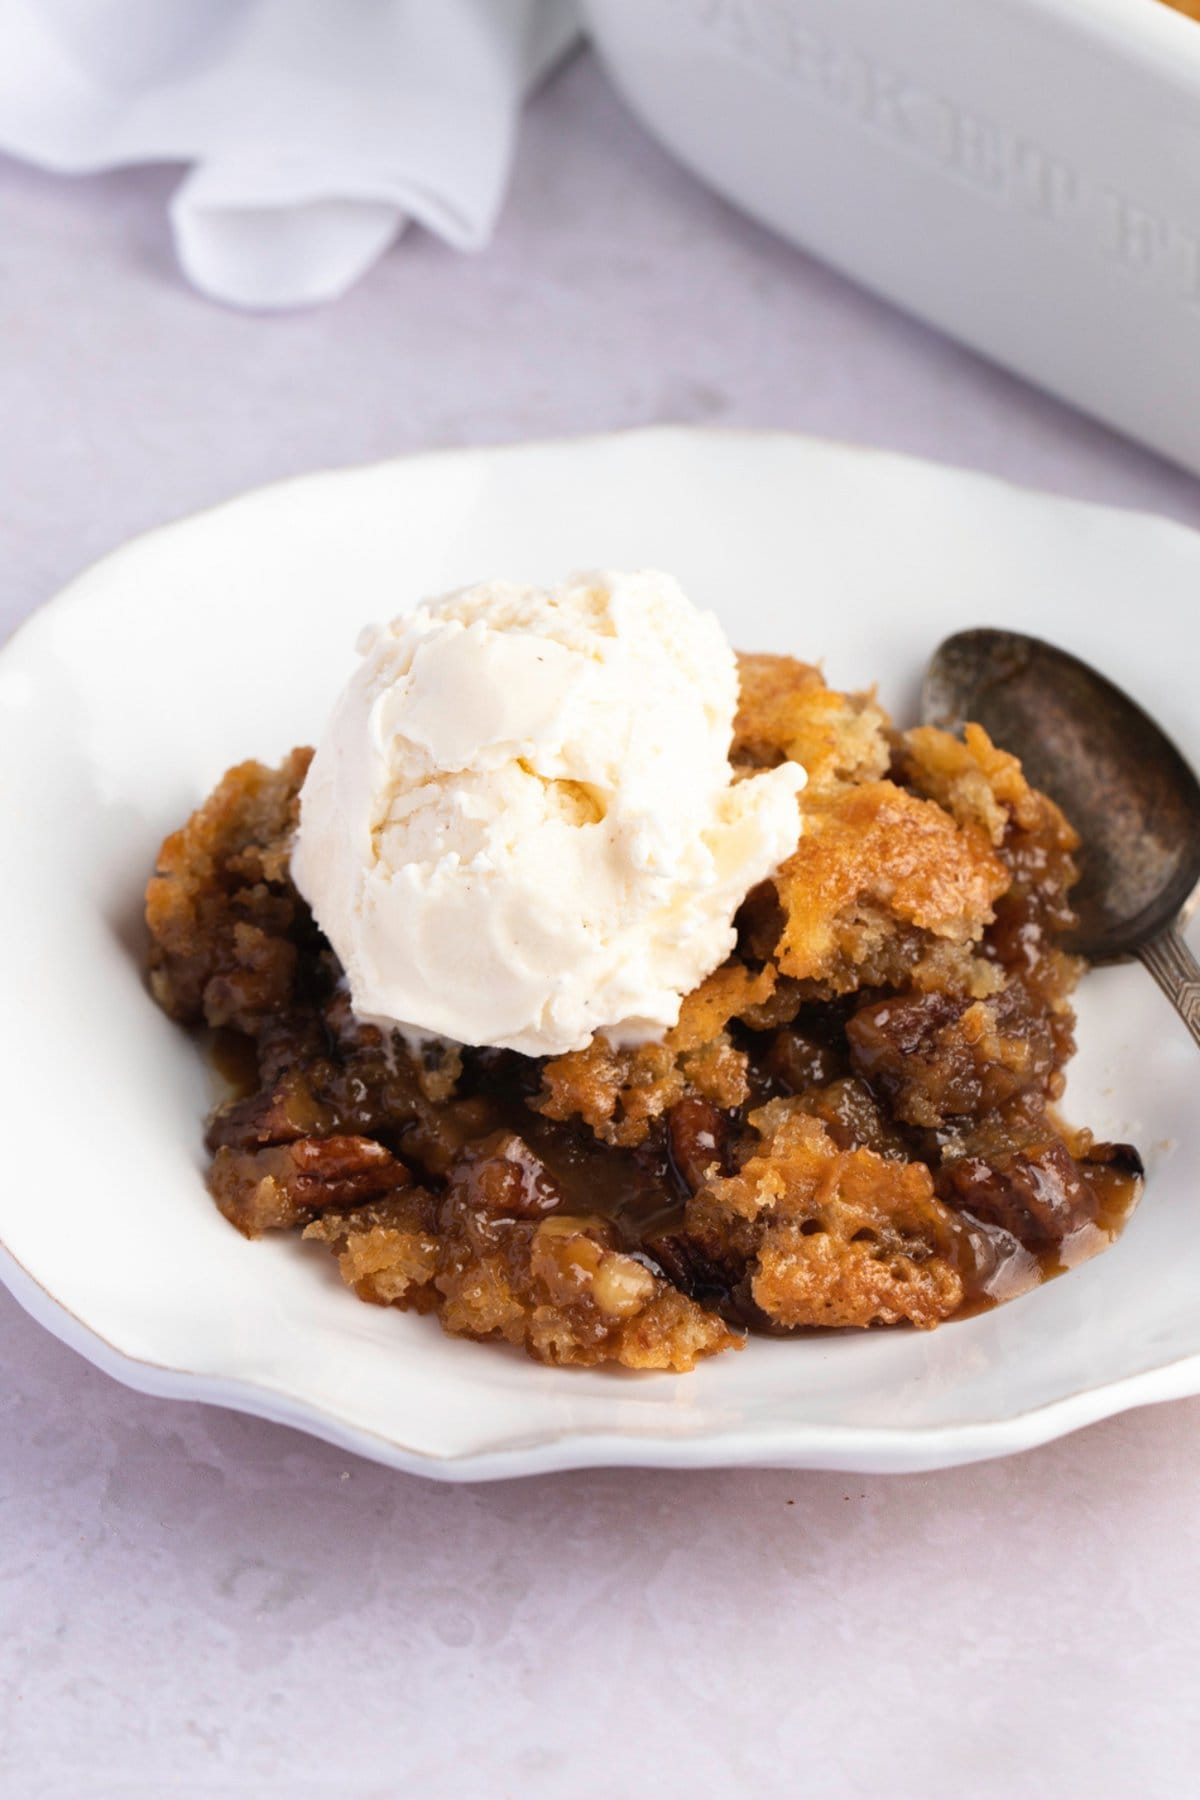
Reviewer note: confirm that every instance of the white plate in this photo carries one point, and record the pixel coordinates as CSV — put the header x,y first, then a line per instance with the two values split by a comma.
x,y
226,635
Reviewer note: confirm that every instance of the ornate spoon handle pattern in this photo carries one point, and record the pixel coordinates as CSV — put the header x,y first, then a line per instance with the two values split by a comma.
x,y
1177,973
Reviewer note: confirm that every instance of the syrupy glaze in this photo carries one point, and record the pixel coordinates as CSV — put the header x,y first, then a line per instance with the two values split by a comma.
x,y
234,1063
1117,1189
1117,1194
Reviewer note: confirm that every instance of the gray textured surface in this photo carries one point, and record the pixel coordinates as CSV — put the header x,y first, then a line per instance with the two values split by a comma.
x,y
197,1603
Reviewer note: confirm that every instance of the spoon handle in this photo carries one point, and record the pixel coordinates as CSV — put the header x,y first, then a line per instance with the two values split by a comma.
x,y
1177,973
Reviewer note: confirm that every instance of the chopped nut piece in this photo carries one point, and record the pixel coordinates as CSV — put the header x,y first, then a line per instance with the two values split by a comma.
x,y
277,1188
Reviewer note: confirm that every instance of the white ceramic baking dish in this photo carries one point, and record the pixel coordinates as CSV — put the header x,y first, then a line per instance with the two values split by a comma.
x,y
1023,173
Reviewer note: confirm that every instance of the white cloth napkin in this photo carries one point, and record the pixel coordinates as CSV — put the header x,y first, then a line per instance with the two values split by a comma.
x,y
316,129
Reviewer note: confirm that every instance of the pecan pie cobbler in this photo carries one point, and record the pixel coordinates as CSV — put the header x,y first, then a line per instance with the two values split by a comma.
x,y
851,1124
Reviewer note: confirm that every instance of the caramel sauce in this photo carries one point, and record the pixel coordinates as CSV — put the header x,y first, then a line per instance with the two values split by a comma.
x,y
1026,1269
1117,1196
233,1061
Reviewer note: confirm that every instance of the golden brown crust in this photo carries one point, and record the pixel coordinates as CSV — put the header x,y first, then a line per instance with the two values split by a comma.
x,y
220,906
876,872
833,1236
786,712
981,786
386,1251
620,1093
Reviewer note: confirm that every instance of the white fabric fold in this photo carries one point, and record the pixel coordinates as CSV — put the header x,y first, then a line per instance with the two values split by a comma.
x,y
316,129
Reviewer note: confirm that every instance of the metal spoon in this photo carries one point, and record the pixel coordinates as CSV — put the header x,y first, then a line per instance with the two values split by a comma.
x,y
1119,779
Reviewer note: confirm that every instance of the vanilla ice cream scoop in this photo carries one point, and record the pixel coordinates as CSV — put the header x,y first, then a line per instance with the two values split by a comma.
x,y
521,827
